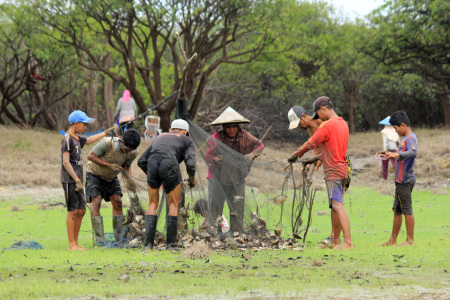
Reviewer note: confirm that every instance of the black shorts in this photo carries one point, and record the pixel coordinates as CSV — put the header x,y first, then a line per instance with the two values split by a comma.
x,y
96,186
403,201
74,200
165,172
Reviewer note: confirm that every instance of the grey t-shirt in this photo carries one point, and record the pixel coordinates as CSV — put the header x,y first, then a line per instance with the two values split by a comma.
x,y
73,145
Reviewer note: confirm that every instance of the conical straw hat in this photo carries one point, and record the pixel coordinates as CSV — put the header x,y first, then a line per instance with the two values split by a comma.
x,y
228,116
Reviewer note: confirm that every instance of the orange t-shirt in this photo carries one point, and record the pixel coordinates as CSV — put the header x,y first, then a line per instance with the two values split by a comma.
x,y
333,135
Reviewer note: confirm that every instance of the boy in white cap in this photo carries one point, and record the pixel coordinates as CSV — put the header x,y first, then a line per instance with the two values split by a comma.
x,y
72,172
161,164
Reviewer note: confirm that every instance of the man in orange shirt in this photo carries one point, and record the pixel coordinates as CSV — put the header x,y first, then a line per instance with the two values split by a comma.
x,y
333,135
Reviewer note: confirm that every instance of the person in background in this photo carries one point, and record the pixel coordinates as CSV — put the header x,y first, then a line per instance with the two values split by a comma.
x,y
71,175
391,141
126,111
404,178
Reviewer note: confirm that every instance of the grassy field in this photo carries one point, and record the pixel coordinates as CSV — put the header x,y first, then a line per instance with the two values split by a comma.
x,y
367,271
30,210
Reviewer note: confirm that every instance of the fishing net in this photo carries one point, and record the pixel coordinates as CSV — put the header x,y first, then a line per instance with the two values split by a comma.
x,y
261,202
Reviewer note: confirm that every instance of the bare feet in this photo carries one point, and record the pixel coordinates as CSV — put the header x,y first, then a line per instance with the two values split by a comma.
x,y
81,248
346,246
73,247
406,244
388,243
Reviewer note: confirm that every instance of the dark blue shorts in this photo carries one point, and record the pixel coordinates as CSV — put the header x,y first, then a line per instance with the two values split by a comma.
x,y
96,186
335,190
165,172
74,200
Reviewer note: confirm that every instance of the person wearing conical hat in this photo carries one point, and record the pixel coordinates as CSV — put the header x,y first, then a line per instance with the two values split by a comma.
x,y
228,169
391,140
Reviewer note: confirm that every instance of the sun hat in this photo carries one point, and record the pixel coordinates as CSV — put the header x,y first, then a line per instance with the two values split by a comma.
x,y
229,116
79,116
180,124
321,101
385,121
294,116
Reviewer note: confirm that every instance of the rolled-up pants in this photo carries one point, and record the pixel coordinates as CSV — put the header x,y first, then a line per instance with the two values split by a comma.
x,y
217,194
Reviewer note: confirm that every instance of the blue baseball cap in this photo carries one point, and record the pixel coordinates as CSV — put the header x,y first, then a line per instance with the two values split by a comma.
x,y
385,121
79,116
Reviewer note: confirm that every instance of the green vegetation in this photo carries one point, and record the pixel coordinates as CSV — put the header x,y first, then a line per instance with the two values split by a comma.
x,y
419,271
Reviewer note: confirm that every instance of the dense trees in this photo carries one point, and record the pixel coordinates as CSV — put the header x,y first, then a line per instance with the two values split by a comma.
x,y
142,34
261,56
412,36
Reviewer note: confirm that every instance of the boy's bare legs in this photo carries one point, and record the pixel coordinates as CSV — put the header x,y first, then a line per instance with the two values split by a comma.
x,y
116,202
335,227
395,230
73,223
172,199
344,223
409,222
78,220
153,200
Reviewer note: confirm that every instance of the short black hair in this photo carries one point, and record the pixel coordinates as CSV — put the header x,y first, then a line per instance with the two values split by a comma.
x,y
200,207
131,138
398,118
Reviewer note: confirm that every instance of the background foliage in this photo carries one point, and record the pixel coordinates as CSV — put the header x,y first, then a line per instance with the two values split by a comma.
x,y
261,57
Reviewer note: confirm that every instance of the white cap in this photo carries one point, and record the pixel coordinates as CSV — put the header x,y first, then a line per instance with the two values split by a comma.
x,y
180,124
294,116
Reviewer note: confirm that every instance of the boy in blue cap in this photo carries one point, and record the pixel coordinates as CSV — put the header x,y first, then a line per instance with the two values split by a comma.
x,y
72,172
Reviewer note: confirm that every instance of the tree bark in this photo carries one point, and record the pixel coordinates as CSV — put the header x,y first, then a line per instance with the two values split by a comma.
x,y
350,102
91,96
445,108
108,95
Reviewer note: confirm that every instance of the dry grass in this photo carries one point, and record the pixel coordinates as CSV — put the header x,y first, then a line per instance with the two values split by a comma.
x,y
199,250
32,158
15,208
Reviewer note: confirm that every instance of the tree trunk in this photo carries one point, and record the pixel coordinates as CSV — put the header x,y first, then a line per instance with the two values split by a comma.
x,y
350,102
445,107
91,97
108,95
37,97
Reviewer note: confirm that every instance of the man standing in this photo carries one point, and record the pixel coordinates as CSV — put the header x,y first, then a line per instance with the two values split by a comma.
x,y
230,153
161,164
333,135
106,160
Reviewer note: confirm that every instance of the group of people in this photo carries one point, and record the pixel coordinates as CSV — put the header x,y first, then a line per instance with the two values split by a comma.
x,y
160,162
330,137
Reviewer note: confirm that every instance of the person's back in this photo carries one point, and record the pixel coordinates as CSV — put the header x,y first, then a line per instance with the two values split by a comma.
x,y
170,145
109,151
161,164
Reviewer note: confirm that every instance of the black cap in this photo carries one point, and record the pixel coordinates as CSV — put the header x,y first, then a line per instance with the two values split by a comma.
x,y
321,101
